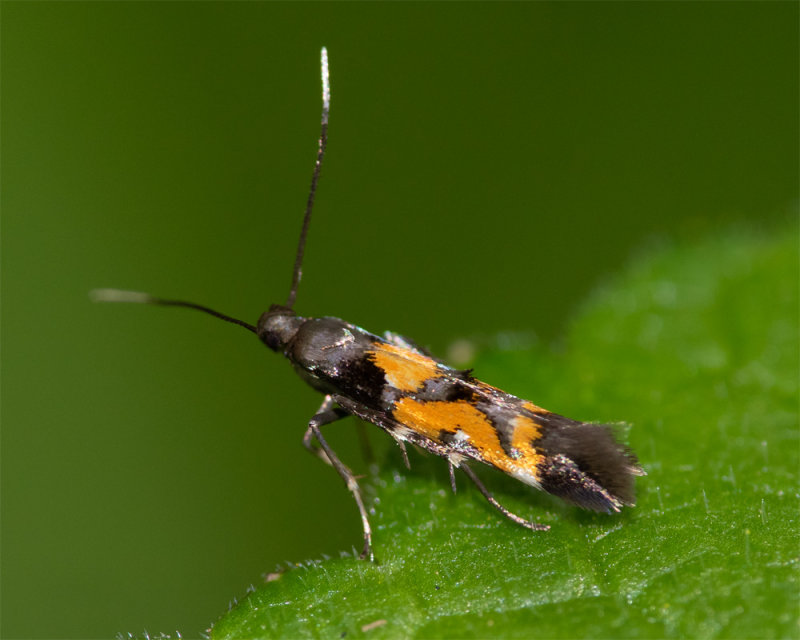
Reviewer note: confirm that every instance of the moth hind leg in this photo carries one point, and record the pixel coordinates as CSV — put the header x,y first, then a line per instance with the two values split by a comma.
x,y
533,526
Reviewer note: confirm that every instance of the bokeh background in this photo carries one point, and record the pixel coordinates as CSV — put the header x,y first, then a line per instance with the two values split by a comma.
x,y
488,165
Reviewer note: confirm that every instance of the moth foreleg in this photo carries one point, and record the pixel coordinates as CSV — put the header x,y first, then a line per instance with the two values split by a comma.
x,y
326,414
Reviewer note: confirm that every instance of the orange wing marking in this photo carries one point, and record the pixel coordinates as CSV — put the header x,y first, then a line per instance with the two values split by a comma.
x,y
431,418
404,369
533,408
526,432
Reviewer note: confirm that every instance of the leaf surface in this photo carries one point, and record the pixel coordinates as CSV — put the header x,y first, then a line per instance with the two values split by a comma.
x,y
696,347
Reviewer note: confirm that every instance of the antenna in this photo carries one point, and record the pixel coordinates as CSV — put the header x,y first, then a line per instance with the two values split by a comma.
x,y
323,141
118,295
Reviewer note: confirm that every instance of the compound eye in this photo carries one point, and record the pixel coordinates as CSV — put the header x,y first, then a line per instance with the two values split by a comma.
x,y
272,340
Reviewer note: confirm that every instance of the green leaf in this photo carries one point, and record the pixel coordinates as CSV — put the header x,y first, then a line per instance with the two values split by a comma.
x,y
696,346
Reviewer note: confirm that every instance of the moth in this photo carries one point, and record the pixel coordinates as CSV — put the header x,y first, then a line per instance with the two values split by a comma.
x,y
389,381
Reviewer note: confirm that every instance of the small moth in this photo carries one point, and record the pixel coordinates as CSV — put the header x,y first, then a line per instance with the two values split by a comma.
x,y
389,381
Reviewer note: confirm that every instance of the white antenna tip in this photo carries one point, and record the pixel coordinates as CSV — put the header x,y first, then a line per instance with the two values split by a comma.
x,y
326,80
119,295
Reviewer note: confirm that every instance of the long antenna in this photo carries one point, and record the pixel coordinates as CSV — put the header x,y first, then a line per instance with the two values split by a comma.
x,y
323,141
118,295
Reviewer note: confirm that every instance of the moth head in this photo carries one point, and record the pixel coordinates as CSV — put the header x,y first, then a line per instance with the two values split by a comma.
x,y
277,326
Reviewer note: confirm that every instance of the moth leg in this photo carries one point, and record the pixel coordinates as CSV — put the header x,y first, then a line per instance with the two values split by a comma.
x,y
402,446
375,418
452,469
533,526
335,413
326,414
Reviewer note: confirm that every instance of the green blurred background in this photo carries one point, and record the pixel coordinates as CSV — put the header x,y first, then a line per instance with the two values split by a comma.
x,y
488,165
